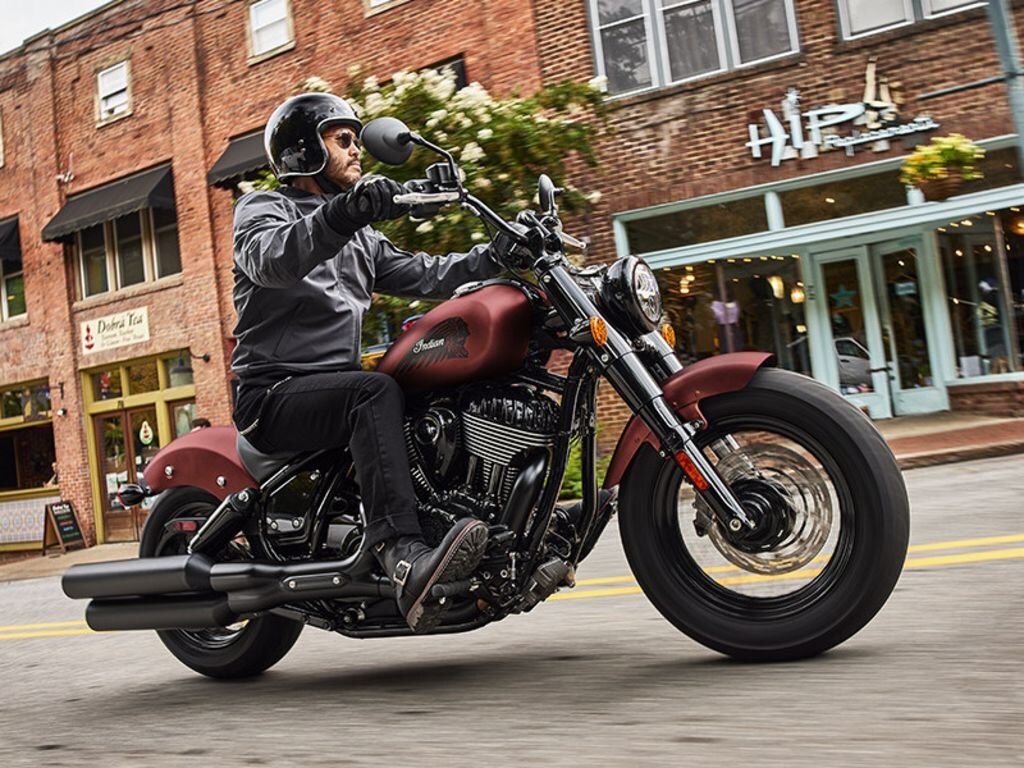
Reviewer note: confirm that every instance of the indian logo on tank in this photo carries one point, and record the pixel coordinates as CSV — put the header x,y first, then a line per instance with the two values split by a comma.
x,y
444,341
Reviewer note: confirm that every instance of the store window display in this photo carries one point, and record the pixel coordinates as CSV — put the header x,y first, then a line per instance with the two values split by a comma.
x,y
733,305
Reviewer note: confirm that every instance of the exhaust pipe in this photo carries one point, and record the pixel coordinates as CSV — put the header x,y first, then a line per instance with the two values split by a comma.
x,y
191,592
196,612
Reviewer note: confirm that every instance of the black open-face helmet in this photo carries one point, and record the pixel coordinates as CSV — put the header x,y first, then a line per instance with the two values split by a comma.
x,y
292,137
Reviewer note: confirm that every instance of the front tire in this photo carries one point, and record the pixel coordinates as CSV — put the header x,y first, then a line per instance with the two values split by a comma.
x,y
242,651
789,443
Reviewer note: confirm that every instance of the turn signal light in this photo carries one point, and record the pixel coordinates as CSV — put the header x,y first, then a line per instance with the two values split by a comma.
x,y
598,330
698,480
668,333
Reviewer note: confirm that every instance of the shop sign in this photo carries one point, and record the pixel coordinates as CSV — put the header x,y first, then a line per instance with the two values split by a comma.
x,y
146,434
908,288
803,134
117,330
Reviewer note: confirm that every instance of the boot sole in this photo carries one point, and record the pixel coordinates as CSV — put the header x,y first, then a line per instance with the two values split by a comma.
x,y
461,559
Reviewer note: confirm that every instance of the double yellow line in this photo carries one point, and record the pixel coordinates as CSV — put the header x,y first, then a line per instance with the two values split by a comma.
x,y
960,558
629,587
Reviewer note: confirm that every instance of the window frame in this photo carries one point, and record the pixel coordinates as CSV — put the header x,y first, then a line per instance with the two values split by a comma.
x,y
250,29
1,137
150,255
4,313
101,117
915,12
653,14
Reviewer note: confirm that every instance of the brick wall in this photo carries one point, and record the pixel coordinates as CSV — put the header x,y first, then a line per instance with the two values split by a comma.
x,y
1004,398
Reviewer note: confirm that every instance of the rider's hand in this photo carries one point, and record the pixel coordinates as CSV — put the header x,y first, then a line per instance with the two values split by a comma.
x,y
509,252
371,199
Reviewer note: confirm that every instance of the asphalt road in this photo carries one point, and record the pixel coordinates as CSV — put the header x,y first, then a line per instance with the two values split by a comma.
x,y
937,679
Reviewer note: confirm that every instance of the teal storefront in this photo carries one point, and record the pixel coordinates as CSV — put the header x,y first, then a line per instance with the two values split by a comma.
x,y
904,306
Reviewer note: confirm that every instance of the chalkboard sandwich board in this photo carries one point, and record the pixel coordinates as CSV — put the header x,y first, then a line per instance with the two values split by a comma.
x,y
62,527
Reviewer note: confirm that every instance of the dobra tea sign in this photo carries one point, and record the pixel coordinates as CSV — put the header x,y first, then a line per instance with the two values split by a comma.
x,y
117,330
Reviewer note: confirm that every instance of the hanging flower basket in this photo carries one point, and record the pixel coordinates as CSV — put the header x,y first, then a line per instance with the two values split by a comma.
x,y
941,189
940,169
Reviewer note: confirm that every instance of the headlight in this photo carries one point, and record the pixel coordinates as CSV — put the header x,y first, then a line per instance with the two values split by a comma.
x,y
630,295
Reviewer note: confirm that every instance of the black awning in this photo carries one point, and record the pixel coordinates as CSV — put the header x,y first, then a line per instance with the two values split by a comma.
x,y
244,154
149,189
10,246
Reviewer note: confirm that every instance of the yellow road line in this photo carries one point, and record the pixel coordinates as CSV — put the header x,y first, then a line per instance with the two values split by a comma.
x,y
933,547
15,631
48,625
911,562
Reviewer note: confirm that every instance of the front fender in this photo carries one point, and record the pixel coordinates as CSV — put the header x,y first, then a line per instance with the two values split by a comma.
x,y
206,458
684,391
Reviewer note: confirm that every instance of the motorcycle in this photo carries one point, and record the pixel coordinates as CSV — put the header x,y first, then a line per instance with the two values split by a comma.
x,y
760,512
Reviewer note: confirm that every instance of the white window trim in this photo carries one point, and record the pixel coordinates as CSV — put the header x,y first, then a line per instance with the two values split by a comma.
x,y
150,263
101,118
251,32
657,41
914,15
1,138
720,39
930,14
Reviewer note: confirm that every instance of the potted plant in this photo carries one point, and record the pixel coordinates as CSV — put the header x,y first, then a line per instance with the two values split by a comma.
x,y
940,168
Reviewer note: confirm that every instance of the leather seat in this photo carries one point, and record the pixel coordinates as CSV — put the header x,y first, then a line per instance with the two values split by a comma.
x,y
260,465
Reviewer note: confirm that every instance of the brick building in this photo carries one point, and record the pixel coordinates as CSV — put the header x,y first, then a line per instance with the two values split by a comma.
x,y
755,163
116,307
740,165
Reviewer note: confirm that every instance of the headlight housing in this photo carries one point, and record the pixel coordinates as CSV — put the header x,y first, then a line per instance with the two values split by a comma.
x,y
630,295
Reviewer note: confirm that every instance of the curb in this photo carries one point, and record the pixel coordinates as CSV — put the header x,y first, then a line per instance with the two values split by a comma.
x,y
955,455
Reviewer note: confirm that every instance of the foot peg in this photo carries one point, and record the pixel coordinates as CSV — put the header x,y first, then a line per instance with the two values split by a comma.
x,y
442,591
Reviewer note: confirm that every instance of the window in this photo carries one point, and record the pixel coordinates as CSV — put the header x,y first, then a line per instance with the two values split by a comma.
x,y
129,250
736,304
112,87
985,285
697,225
269,26
1,138
863,17
648,43
12,282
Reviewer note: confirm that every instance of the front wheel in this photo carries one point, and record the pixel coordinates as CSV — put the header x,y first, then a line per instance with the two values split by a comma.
x,y
242,650
831,514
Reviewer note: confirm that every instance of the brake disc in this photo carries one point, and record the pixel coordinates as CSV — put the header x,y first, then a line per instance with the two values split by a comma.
x,y
803,485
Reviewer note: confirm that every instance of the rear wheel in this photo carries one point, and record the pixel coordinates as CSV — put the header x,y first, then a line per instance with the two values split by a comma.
x,y
241,650
831,513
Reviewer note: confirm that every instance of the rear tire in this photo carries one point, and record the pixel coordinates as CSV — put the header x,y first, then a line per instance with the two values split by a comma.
x,y
868,531
242,652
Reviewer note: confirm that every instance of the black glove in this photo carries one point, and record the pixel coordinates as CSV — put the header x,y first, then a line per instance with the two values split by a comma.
x,y
371,199
509,252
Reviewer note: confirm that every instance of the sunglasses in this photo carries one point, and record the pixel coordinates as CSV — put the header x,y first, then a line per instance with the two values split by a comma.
x,y
346,140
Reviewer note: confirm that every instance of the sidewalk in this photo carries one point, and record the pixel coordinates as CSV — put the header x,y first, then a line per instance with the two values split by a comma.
x,y
917,441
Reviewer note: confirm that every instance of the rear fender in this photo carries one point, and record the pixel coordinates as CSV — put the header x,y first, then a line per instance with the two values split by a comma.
x,y
206,458
684,391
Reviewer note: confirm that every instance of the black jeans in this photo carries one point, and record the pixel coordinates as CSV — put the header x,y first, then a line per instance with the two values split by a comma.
x,y
327,410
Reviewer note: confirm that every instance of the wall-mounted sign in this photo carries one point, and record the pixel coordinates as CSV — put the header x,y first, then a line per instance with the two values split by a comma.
x,y
800,134
117,330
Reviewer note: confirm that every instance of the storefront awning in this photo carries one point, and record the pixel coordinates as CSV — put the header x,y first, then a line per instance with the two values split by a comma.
x,y
243,155
10,246
149,189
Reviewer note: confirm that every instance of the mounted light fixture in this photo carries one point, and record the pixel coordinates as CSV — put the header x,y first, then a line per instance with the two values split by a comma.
x,y
183,367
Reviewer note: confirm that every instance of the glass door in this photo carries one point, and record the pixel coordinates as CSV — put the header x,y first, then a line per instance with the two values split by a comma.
x,y
128,441
903,294
855,361
114,463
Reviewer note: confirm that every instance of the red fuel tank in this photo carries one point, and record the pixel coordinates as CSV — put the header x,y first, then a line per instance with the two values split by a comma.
x,y
479,335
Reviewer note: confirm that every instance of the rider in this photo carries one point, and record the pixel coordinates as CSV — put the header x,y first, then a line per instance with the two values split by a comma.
x,y
306,264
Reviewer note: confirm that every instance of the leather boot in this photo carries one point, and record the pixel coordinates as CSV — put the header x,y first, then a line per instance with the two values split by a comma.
x,y
414,568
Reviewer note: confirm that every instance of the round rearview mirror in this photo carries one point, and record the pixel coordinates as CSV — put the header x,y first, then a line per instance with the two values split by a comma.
x,y
388,140
546,194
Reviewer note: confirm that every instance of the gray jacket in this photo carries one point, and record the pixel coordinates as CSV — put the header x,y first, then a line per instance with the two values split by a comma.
x,y
301,288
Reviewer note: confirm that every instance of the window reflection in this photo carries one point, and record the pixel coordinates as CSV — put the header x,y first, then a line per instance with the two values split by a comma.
x,y
983,262
732,305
